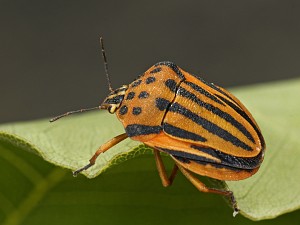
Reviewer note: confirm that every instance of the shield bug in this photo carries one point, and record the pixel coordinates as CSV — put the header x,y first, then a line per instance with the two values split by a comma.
x,y
204,128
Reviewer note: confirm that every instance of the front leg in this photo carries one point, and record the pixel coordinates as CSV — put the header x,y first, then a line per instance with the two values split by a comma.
x,y
101,149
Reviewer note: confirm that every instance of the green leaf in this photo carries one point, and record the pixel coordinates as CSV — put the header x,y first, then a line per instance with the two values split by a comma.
x,y
34,192
31,184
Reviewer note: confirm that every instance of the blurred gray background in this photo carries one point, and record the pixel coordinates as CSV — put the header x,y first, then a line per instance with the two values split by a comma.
x,y
50,60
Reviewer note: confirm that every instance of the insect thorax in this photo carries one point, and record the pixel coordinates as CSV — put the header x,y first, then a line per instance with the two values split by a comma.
x,y
114,99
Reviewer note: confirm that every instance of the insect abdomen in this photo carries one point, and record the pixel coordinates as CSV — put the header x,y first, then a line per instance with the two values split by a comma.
x,y
197,115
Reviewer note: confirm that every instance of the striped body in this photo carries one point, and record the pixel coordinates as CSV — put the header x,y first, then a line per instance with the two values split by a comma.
x,y
203,127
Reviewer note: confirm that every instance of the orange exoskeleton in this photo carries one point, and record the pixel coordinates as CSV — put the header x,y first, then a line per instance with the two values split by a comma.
x,y
204,128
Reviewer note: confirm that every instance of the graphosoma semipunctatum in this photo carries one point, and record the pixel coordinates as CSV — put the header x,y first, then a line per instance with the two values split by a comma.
x,y
203,127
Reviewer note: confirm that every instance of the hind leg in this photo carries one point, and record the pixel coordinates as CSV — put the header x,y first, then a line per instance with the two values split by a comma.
x,y
202,187
166,181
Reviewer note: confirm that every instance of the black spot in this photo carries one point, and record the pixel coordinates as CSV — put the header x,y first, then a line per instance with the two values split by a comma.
x,y
136,83
156,70
162,103
136,110
150,80
123,110
144,94
130,95
171,84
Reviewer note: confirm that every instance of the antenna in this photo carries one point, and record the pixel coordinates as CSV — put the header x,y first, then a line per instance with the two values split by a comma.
x,y
109,86
76,111
105,64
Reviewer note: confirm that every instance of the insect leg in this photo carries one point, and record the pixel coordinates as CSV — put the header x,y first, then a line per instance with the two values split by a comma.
x,y
202,187
102,149
166,181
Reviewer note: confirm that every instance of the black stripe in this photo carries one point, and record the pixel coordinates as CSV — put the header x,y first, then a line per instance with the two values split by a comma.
x,y
212,86
171,84
209,126
114,100
162,104
181,133
173,67
138,129
215,110
246,117
203,92
119,90
233,161
185,157
136,83
216,165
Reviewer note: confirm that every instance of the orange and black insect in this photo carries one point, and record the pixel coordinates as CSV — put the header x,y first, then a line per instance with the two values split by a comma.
x,y
203,127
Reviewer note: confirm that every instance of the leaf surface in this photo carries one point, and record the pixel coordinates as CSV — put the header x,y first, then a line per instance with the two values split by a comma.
x,y
70,142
